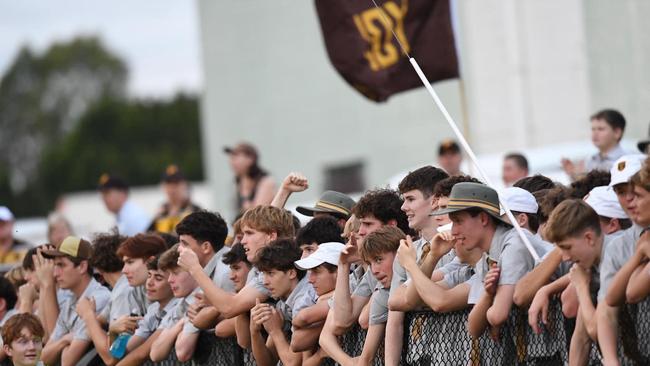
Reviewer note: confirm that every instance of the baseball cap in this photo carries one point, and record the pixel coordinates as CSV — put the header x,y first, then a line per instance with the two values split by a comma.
x,y
448,146
109,181
604,201
326,253
71,246
625,167
519,200
5,214
172,174
330,202
242,148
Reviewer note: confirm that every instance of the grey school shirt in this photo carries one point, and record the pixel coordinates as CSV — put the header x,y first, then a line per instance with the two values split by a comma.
x,y
604,162
151,320
366,285
119,304
69,321
297,300
379,305
512,256
255,279
137,298
219,272
619,250
178,312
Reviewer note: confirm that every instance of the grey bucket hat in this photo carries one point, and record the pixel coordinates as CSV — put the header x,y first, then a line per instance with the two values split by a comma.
x,y
330,202
468,195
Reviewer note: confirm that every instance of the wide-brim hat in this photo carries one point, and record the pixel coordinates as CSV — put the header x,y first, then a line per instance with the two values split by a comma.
x,y
330,202
468,195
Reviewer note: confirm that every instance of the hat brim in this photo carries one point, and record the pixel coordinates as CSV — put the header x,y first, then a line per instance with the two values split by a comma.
x,y
309,211
448,210
308,263
53,254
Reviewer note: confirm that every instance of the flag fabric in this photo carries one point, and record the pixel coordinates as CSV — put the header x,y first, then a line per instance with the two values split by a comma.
x,y
361,46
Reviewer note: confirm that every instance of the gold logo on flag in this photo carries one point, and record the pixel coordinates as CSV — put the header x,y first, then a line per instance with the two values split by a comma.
x,y
376,26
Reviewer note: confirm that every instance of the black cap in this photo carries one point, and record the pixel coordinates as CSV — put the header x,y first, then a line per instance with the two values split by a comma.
x,y
172,174
448,147
109,181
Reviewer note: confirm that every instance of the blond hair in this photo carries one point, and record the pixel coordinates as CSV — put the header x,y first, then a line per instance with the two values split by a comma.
x,y
269,219
570,219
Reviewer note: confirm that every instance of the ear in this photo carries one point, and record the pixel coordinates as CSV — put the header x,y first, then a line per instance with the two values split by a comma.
x,y
206,246
83,267
273,236
293,273
612,226
485,218
7,349
590,236
522,220
3,305
618,133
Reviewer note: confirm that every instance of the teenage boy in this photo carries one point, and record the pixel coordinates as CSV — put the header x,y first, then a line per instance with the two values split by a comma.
x,y
474,210
515,167
239,266
317,231
607,128
260,225
612,218
72,271
321,267
574,227
204,233
182,285
288,285
23,339
637,288
128,299
417,191
378,251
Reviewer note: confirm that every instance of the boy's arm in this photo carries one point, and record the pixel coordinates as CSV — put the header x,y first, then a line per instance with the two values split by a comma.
x,y
542,299
304,339
206,318
161,348
294,182
71,355
394,340
311,314
371,345
226,303
140,353
639,286
242,328
498,313
586,309
100,340
580,344
226,328
608,332
477,320
330,344
261,353
531,282
273,326
186,344
53,349
616,295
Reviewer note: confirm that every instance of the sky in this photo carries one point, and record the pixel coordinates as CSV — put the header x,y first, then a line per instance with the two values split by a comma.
x,y
159,40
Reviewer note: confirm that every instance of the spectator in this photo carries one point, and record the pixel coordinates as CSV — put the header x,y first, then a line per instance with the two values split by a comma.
x,y
255,186
332,204
8,298
58,228
535,183
23,340
611,215
178,204
607,128
239,269
12,250
69,340
317,231
131,219
450,157
515,167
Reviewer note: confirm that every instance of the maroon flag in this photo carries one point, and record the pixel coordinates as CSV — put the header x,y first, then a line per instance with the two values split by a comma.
x,y
362,48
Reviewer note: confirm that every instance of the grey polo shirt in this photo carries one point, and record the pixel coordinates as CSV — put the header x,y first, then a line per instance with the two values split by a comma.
x,y
148,325
604,162
400,275
119,304
138,301
255,279
619,250
458,276
379,305
70,322
297,300
178,312
512,256
366,285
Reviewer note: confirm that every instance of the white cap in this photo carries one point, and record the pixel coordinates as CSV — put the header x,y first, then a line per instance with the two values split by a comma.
x,y
5,214
446,227
519,200
625,167
604,201
326,253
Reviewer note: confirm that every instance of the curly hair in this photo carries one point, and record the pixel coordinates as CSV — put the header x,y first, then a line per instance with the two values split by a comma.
x,y
443,188
12,329
549,200
593,179
105,256
534,183
280,255
423,179
383,204
320,230
204,226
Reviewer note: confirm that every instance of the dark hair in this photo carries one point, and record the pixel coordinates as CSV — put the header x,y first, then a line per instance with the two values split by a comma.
x,y
12,329
328,266
236,254
168,260
423,179
142,246
623,223
170,239
28,261
613,118
77,261
152,264
443,188
548,201
593,179
320,230
296,223
475,211
533,220
385,205
204,226
105,256
8,292
280,255
535,183
519,159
